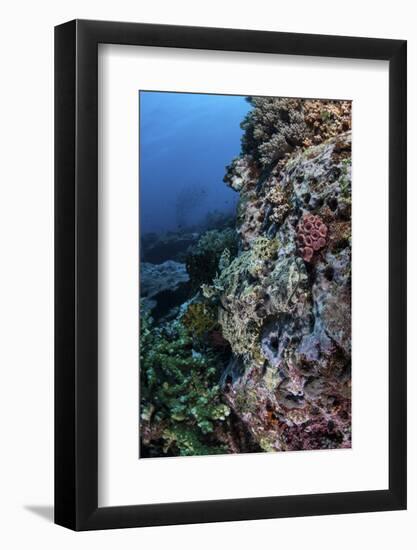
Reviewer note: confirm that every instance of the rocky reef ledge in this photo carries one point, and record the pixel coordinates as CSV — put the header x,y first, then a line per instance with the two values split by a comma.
x,y
268,329
286,314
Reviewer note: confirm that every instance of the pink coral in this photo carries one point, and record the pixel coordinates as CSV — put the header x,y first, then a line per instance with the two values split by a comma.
x,y
311,236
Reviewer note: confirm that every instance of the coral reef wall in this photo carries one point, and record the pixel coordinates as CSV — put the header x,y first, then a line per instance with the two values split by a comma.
x,y
263,345
285,301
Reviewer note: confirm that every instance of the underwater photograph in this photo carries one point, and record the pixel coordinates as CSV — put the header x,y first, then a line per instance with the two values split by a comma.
x,y
245,274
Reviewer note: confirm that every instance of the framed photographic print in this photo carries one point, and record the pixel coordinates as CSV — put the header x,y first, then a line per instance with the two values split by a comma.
x,y
230,275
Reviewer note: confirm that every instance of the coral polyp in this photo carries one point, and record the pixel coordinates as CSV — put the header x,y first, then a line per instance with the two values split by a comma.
x,y
311,236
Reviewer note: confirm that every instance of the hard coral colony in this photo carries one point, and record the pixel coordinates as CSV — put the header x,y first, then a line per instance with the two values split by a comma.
x,y
246,346
311,236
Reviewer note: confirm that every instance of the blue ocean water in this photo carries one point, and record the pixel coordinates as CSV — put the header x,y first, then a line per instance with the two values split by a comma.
x,y
186,142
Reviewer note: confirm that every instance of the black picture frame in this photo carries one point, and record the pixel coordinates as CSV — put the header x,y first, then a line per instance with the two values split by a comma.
x,y
76,271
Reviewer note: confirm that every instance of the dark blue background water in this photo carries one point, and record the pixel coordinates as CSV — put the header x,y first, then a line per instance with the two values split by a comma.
x,y
186,141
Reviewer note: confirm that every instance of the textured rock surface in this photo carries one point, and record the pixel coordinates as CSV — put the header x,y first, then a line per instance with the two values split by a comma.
x,y
163,287
287,316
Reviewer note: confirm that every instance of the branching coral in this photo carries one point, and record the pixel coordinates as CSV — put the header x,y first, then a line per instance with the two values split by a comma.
x,y
311,236
180,396
326,119
273,128
277,126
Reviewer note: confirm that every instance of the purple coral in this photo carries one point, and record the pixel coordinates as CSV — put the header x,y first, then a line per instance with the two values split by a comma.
x,y
311,236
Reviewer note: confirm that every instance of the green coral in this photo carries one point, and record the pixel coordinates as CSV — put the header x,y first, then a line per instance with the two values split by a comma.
x,y
240,289
253,287
200,318
187,441
180,396
203,258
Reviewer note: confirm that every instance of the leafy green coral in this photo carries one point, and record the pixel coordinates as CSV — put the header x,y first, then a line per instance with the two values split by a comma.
x,y
180,395
200,318
187,441
240,289
203,258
